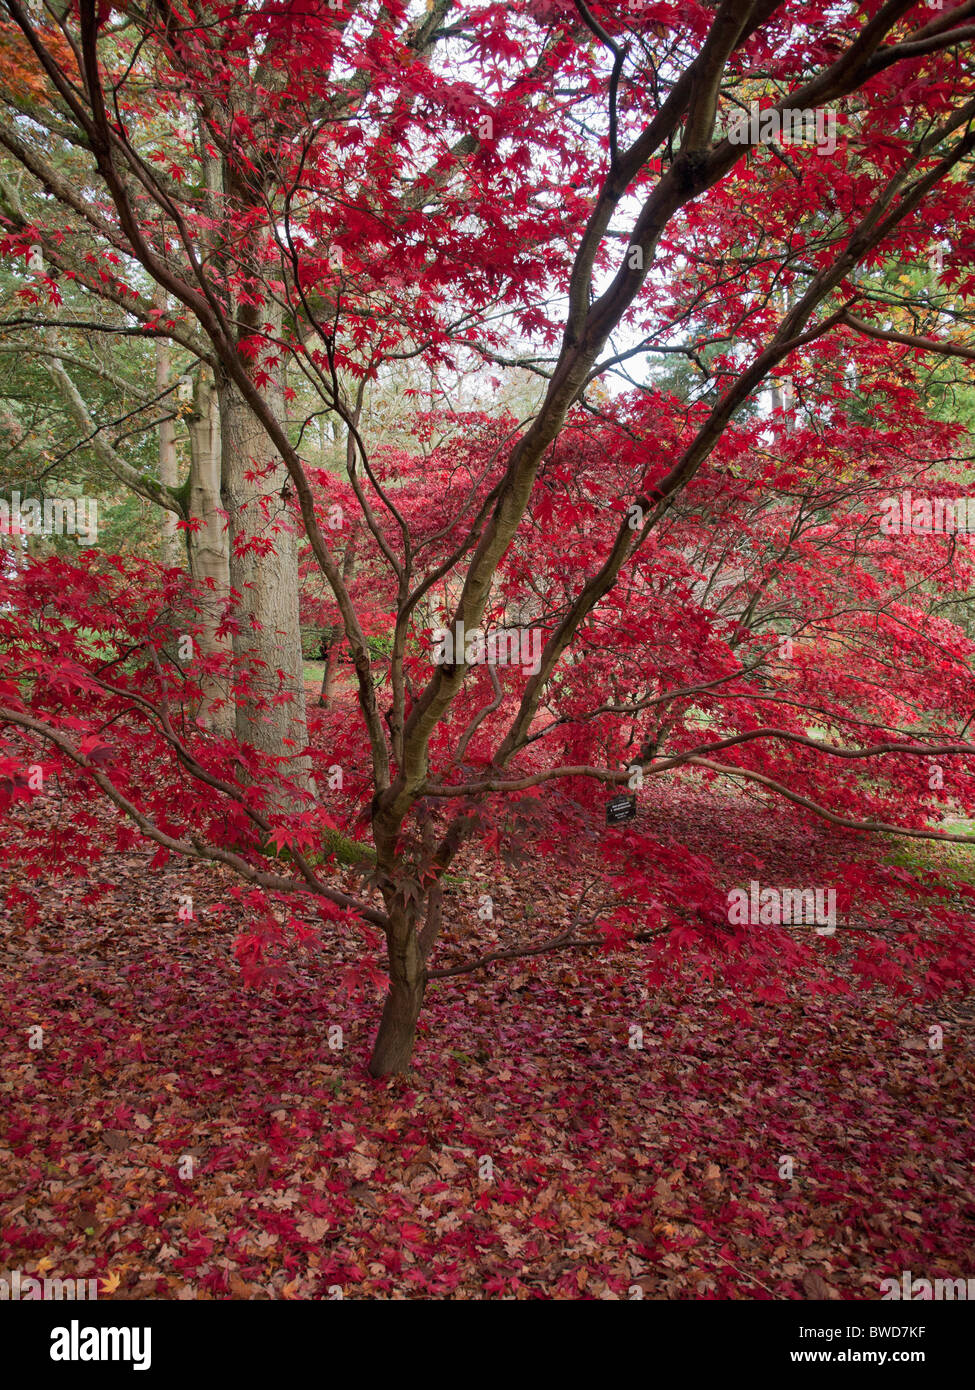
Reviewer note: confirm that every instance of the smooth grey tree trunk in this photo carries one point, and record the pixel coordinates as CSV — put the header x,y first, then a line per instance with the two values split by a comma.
x,y
168,469
208,547
266,577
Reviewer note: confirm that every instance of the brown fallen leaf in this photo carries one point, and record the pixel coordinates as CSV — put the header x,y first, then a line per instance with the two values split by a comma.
x,y
313,1228
815,1285
361,1165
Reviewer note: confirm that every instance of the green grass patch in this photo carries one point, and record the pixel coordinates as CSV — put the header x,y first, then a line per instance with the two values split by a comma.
x,y
931,856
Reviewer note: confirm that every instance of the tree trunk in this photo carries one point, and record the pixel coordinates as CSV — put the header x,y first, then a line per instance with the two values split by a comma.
x,y
208,547
393,1048
168,471
330,674
266,577
331,667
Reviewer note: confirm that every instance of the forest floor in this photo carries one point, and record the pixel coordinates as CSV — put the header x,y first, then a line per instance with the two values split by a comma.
x,y
534,1153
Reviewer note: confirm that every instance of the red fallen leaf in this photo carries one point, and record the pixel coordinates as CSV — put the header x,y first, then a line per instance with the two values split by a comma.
x,y
102,756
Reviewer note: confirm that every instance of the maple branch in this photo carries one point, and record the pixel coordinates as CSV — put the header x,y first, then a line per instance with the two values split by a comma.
x,y
564,941
349,419
945,349
197,770
619,58
194,847
480,716
659,764
121,330
159,493
875,827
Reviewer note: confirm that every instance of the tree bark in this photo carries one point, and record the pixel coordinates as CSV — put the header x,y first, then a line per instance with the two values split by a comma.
x,y
330,674
265,575
327,692
168,471
392,1051
208,547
